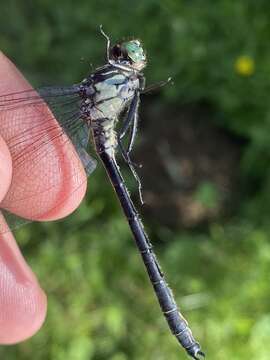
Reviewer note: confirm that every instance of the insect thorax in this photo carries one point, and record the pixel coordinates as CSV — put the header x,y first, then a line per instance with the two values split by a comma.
x,y
106,93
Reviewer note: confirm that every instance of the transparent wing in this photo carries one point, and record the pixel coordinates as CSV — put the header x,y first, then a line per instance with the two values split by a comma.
x,y
48,142
80,139
60,101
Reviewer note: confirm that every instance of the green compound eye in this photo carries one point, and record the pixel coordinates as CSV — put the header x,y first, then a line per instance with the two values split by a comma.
x,y
134,50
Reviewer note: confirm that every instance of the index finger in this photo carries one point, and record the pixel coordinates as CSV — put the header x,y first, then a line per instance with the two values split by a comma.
x,y
45,187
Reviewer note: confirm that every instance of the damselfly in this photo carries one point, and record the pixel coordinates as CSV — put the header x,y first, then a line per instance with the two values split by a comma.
x,y
104,106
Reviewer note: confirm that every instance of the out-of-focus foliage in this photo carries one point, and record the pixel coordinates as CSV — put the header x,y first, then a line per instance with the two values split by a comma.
x,y
100,303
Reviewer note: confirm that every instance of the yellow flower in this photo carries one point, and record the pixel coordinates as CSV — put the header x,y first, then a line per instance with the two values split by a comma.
x,y
244,65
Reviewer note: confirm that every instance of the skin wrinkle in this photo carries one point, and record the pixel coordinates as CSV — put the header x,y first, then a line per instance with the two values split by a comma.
x,y
59,166
55,161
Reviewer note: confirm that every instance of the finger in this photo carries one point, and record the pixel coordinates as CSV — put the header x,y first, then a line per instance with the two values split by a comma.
x,y
5,168
23,304
44,187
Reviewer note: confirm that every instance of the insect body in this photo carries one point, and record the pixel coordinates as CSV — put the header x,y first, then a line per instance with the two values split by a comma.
x,y
109,91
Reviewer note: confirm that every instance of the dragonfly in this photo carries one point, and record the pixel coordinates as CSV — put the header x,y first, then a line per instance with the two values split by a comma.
x,y
104,107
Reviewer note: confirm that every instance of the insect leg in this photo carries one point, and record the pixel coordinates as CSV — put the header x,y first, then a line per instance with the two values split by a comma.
x,y
131,166
133,130
156,86
110,61
133,108
108,43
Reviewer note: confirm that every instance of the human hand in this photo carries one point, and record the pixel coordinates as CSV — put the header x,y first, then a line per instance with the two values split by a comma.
x,y
23,303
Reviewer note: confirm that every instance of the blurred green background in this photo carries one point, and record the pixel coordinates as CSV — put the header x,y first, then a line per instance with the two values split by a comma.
x,y
204,143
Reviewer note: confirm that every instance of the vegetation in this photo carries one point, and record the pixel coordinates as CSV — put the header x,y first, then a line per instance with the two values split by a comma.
x,y
100,303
